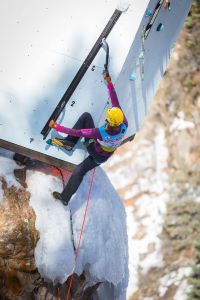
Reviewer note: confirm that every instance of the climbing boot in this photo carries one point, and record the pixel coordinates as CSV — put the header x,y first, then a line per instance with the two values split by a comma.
x,y
68,145
58,196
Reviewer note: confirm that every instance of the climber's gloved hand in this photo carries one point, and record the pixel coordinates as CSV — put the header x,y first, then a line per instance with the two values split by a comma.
x,y
52,124
107,77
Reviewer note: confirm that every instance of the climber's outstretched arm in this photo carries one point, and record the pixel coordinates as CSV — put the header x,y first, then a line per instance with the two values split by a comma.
x,y
91,133
113,95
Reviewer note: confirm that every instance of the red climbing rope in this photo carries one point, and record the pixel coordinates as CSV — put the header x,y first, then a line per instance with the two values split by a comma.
x,y
61,175
58,294
81,234
63,182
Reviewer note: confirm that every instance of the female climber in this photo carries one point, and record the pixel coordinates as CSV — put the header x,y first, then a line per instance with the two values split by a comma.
x,y
101,142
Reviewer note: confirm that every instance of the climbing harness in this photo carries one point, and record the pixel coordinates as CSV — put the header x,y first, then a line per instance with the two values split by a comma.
x,y
81,234
109,143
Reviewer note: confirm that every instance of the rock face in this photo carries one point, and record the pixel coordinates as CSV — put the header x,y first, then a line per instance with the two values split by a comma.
x,y
18,238
19,277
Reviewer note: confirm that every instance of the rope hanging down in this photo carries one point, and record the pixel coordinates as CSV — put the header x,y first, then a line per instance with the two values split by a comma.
x,y
58,294
81,234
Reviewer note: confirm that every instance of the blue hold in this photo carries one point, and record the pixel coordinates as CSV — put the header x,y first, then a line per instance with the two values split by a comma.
x,y
133,77
160,27
169,6
148,13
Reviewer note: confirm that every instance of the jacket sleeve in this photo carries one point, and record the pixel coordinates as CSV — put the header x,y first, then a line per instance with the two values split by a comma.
x,y
114,99
88,133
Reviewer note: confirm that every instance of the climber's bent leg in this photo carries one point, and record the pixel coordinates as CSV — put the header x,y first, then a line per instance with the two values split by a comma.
x,y
77,177
84,121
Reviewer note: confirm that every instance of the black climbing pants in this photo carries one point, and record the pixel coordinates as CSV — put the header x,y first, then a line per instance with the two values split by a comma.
x,y
84,121
93,160
77,177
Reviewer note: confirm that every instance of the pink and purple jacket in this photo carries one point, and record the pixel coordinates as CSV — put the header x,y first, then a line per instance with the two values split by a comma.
x,y
94,133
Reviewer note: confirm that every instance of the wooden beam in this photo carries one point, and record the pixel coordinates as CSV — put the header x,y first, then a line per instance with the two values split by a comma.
x,y
37,155
44,157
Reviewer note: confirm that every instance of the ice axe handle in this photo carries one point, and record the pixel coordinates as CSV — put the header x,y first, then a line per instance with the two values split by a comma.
x,y
106,48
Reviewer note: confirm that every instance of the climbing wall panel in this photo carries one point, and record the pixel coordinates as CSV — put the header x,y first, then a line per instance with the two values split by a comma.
x,y
43,45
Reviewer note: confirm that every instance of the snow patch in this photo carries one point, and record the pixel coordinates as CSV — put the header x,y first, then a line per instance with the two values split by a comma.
x,y
54,253
133,269
180,123
176,278
182,291
7,165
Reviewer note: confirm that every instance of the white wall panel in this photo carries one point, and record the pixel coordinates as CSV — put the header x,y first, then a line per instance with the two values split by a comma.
x,y
43,44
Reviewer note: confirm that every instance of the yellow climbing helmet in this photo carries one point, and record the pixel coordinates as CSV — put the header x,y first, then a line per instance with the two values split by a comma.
x,y
114,116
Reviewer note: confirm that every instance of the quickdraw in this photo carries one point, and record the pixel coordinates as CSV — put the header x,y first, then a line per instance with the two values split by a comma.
x,y
142,54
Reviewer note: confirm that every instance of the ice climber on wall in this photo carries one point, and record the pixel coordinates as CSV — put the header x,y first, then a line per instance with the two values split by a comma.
x,y
101,142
